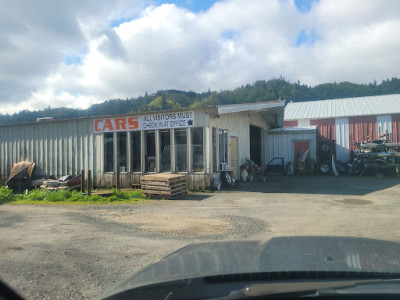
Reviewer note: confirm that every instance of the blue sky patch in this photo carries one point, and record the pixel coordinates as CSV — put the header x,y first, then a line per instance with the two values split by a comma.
x,y
304,5
306,37
229,34
195,6
116,23
72,60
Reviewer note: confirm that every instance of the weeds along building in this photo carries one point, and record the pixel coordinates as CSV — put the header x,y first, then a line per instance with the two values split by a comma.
x,y
199,142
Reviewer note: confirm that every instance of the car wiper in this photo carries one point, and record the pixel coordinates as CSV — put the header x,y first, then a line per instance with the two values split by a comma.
x,y
318,288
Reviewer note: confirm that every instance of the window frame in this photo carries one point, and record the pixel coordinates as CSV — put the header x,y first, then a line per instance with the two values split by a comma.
x,y
118,151
131,153
187,150
146,132
192,151
104,153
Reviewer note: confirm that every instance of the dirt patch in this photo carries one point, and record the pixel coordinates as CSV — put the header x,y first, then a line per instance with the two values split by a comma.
x,y
173,224
356,201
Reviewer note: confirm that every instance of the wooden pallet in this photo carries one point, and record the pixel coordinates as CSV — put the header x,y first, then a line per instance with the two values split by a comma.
x,y
163,185
162,179
164,193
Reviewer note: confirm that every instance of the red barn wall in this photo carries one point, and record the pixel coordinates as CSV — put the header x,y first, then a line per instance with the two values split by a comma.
x,y
326,127
362,129
396,128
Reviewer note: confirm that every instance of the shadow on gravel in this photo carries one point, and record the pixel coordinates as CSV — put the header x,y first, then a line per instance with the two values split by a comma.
x,y
193,197
5,201
333,185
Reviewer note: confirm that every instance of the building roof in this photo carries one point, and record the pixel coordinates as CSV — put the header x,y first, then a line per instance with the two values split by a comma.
x,y
256,106
283,130
277,106
339,108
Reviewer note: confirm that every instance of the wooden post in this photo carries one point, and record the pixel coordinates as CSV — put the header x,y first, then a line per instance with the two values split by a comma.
x,y
89,183
118,184
83,181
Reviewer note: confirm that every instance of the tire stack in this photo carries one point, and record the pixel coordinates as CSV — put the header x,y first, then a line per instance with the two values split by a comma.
x,y
325,157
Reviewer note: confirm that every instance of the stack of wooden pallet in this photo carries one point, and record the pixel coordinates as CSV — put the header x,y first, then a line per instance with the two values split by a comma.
x,y
163,185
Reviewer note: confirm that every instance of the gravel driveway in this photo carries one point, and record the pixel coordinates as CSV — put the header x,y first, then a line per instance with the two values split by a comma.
x,y
74,252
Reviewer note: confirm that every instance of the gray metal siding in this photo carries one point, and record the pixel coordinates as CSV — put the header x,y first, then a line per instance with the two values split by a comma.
x,y
57,148
342,139
281,144
238,125
383,123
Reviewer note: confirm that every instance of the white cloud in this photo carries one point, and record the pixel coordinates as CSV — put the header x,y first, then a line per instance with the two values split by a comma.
x,y
166,47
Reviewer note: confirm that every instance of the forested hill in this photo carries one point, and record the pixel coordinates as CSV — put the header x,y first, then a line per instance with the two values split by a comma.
x,y
259,91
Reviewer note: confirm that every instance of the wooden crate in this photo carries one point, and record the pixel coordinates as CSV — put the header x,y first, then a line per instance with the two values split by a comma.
x,y
163,185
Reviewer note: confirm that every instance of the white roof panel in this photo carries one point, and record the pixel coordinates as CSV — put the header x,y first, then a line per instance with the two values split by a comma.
x,y
340,108
256,106
293,129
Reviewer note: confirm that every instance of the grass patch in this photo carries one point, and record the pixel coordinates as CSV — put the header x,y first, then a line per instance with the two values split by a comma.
x,y
66,197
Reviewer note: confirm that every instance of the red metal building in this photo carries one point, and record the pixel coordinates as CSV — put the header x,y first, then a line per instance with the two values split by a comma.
x,y
348,121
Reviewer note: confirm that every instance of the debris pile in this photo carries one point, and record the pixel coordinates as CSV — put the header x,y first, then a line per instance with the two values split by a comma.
x,y
66,182
21,178
376,157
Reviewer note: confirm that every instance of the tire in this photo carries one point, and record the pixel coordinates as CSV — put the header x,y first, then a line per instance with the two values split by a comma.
x,y
216,184
227,179
357,168
325,147
324,168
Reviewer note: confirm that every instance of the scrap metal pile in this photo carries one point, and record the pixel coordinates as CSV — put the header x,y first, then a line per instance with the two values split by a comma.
x,y
376,157
22,178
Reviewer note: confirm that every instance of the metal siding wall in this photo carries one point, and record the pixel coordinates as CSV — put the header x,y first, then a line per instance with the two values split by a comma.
x,y
342,139
396,128
238,124
383,123
326,127
52,146
362,129
281,145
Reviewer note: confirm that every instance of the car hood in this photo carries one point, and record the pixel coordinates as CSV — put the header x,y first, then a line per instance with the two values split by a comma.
x,y
280,254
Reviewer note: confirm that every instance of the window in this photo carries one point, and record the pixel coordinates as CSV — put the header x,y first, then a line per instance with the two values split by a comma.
x,y
150,155
136,151
223,148
122,151
197,149
181,150
108,152
214,148
165,157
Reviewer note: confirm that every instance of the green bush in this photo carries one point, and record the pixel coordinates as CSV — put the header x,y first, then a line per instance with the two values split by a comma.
x,y
36,194
118,194
6,194
60,196
138,194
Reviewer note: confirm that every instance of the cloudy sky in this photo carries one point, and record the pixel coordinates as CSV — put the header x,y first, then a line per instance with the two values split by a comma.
x,y
78,52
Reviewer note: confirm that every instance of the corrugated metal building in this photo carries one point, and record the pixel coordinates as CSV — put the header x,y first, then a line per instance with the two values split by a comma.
x,y
348,121
198,142
288,142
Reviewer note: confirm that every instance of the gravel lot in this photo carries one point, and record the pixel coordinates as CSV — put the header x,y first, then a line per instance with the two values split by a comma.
x,y
74,252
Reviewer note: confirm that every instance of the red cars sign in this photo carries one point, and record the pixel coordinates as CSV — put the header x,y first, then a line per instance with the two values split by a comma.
x,y
116,124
